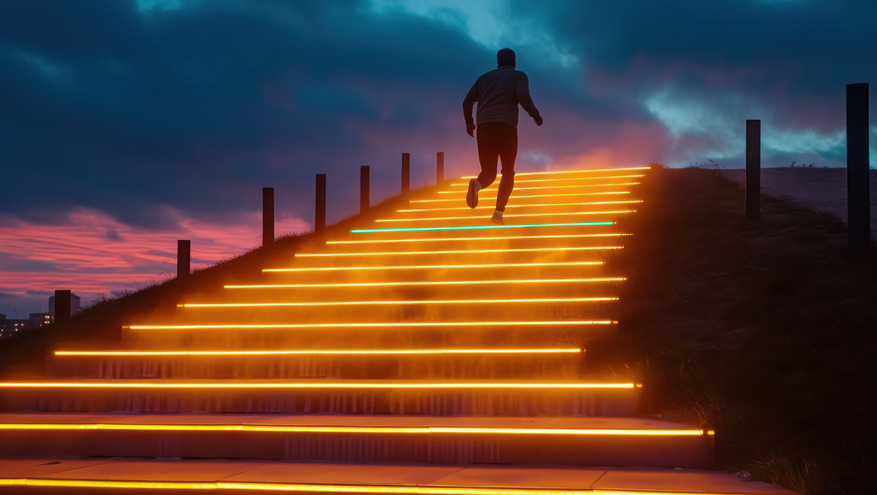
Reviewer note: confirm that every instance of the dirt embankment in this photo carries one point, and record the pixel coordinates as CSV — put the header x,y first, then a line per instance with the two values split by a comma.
x,y
764,330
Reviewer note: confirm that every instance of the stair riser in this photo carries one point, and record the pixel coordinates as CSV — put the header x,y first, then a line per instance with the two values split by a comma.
x,y
688,452
358,338
422,367
426,272
513,402
414,313
427,292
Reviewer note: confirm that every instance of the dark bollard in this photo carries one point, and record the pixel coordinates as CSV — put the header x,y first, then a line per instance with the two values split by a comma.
x,y
753,169
406,173
320,206
267,216
439,167
62,306
858,192
363,189
184,258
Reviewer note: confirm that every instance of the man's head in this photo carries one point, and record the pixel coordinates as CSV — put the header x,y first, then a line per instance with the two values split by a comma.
x,y
505,58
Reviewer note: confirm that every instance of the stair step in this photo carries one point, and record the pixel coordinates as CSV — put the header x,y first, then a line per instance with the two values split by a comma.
x,y
447,397
314,363
443,440
524,334
121,476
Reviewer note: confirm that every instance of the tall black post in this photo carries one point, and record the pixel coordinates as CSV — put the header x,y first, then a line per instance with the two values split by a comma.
x,y
184,258
267,216
858,193
406,173
320,204
439,167
363,189
62,306
753,169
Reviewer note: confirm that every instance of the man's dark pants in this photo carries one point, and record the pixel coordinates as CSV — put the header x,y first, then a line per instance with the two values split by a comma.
x,y
497,140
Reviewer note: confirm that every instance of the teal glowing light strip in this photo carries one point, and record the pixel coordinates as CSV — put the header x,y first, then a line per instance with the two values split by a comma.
x,y
481,227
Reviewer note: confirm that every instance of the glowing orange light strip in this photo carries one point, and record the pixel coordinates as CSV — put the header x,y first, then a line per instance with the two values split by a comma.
x,y
510,237
583,171
422,267
539,205
255,428
457,251
397,302
528,181
317,488
325,352
576,186
375,325
511,215
520,196
442,282
357,384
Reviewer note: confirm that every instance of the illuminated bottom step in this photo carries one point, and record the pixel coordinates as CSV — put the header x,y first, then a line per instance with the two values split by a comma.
x,y
124,476
448,363
443,440
435,398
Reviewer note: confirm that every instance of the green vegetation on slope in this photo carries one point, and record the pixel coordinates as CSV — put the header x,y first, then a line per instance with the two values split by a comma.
x,y
764,330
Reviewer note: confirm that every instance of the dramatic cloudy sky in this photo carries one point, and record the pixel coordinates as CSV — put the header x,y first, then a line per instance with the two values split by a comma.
x,y
125,125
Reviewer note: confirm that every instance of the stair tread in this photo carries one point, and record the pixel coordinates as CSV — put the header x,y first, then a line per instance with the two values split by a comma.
x,y
238,473
547,422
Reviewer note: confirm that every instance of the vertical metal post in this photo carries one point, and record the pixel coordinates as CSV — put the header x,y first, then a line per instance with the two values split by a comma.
x,y
184,258
406,173
363,189
858,193
267,216
753,169
320,205
439,167
62,306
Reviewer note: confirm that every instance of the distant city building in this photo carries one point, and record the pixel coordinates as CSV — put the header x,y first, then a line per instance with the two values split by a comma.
x,y
9,328
74,304
36,320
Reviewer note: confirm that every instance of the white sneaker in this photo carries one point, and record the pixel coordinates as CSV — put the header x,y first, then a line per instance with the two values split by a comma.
x,y
472,195
497,217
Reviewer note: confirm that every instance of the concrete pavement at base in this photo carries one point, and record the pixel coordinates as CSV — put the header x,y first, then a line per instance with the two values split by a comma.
x,y
513,478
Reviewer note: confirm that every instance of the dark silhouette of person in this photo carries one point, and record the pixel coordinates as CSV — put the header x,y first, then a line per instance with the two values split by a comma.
x,y
498,93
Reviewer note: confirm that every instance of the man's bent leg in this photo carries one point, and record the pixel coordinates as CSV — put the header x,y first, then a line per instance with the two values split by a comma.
x,y
488,152
508,152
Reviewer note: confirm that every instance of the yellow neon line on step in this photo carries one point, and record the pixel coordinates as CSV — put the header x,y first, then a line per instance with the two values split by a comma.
x,y
432,267
583,171
576,186
536,205
324,352
442,282
521,196
353,384
458,251
319,488
528,181
431,324
510,215
397,302
501,238
421,430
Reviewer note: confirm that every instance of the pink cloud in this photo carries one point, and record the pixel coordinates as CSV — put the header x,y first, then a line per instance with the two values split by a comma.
x,y
93,254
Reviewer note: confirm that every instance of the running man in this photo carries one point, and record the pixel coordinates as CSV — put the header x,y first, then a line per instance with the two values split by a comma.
x,y
498,94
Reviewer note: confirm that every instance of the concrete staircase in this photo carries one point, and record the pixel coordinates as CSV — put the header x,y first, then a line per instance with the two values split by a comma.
x,y
431,352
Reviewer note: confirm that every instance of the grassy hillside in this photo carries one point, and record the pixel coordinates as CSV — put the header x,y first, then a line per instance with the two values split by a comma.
x,y
762,329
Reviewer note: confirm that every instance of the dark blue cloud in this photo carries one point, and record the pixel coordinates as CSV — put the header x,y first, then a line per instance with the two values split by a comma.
x,y
159,114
